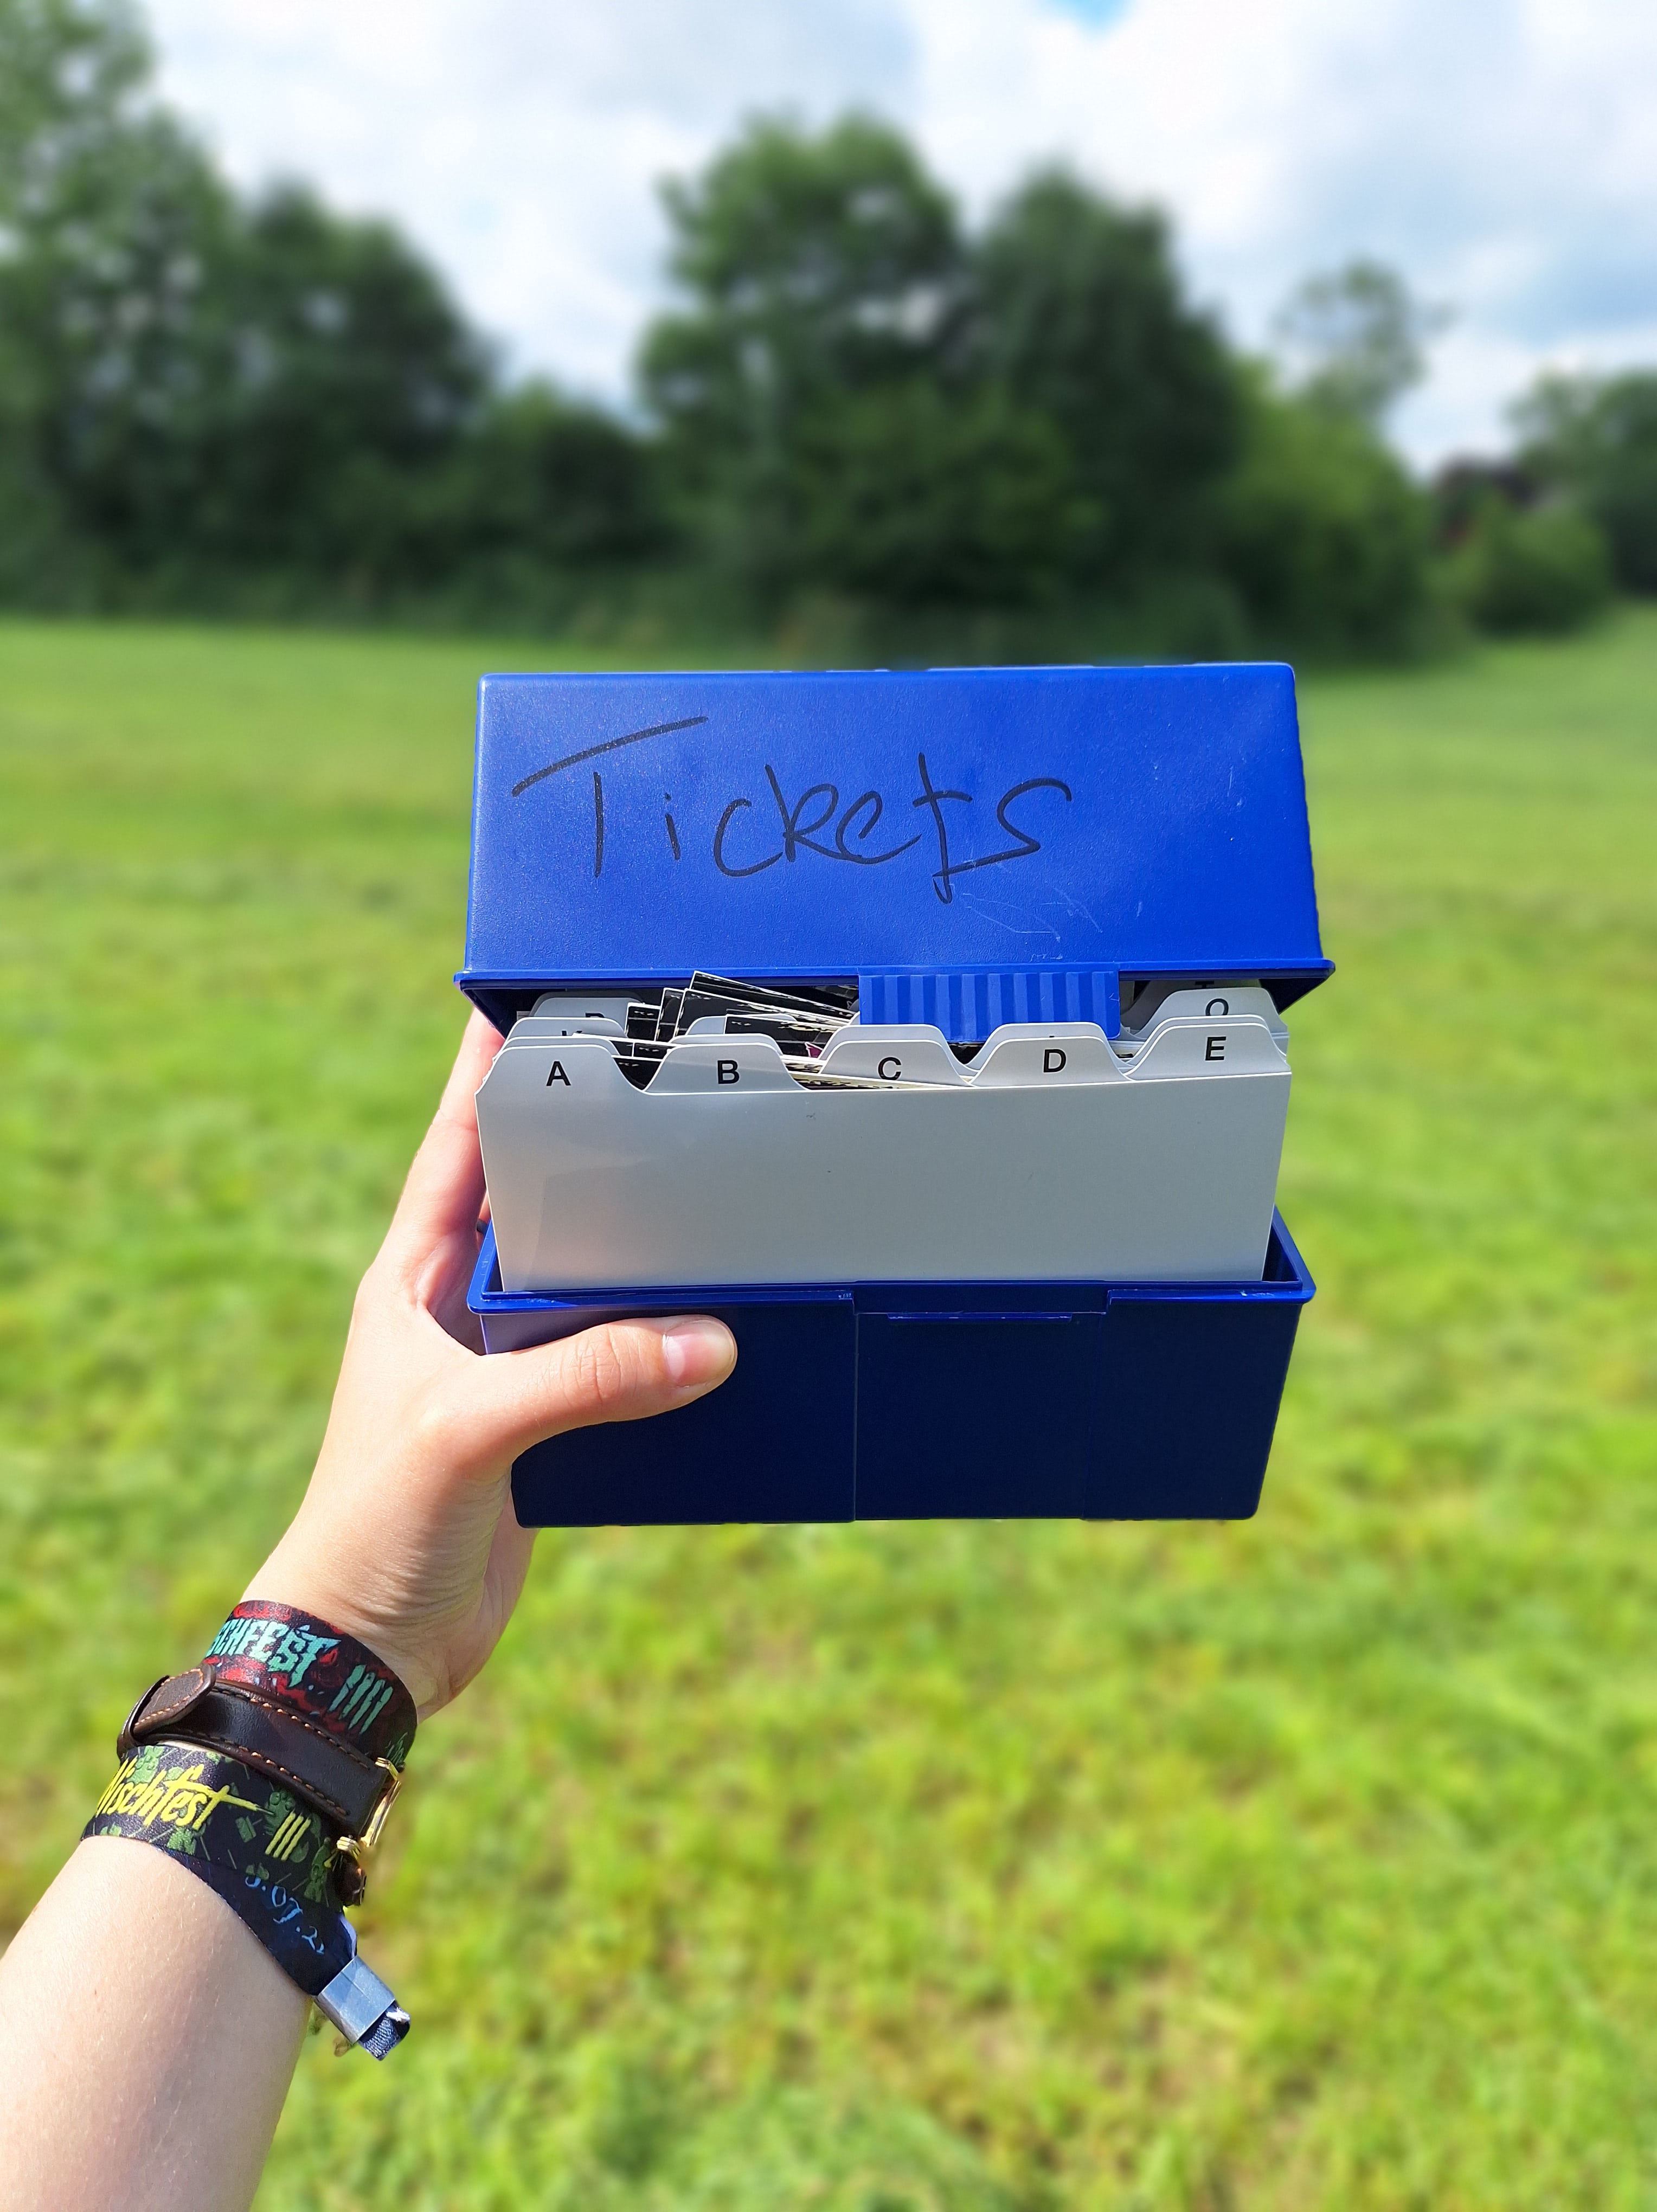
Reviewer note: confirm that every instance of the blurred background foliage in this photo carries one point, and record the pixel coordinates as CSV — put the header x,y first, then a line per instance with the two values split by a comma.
x,y
862,424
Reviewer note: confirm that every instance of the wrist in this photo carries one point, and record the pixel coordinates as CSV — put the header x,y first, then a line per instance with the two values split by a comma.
x,y
291,1578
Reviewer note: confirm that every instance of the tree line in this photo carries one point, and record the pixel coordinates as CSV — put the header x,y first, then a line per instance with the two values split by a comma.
x,y
857,410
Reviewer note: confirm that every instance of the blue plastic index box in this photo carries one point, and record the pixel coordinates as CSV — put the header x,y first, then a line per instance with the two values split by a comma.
x,y
973,848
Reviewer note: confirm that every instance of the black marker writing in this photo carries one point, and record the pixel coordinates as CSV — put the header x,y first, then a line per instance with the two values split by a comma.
x,y
1026,844
610,745
799,831
816,823
797,834
934,799
793,834
737,806
866,859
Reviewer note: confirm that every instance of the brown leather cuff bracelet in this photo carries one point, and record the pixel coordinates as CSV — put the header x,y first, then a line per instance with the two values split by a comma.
x,y
226,1716
354,1793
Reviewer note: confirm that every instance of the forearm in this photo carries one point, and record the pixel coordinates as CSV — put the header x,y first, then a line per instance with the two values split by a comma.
x,y
141,2014
147,2034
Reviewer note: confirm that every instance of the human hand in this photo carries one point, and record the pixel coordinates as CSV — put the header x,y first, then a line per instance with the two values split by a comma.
x,y
406,1538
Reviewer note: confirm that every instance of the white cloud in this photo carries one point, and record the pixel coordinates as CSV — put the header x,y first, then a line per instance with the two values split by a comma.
x,y
520,142
1499,151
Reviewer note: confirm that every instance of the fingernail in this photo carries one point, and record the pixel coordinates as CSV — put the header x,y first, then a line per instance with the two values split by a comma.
x,y
697,1351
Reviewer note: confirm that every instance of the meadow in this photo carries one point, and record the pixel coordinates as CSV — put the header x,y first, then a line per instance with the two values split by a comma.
x,y
939,1867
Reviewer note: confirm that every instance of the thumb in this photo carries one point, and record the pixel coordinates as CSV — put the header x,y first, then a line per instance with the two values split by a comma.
x,y
622,1371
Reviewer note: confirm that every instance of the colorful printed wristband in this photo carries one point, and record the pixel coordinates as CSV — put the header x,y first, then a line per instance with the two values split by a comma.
x,y
327,1676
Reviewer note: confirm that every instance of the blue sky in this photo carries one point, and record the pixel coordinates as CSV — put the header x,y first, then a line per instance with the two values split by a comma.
x,y
1093,12
1501,152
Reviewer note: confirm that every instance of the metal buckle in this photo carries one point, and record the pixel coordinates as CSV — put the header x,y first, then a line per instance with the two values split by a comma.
x,y
357,1848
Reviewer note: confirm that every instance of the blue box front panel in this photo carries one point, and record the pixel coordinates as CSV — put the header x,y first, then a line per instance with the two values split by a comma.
x,y
924,1401
774,1443
985,1416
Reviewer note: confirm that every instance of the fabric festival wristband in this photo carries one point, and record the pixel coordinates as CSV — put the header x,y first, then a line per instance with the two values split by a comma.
x,y
335,1682
267,1855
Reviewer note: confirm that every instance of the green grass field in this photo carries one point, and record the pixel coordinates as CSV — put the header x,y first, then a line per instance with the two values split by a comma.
x,y
952,1867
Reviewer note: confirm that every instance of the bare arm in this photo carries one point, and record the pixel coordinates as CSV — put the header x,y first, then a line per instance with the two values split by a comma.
x,y
147,2039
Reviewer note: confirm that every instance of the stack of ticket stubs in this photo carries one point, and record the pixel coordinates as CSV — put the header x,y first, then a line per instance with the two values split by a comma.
x,y
946,1003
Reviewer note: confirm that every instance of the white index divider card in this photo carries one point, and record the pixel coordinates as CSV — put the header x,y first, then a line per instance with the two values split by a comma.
x,y
532,1027
812,990
1189,1047
902,1051
1026,1053
721,1067
582,1006
1219,1001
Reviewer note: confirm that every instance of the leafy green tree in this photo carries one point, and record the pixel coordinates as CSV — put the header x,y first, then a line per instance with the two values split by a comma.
x,y
1542,569
194,385
815,270
1323,533
1079,313
258,384
540,477
814,266
194,379
919,496
350,374
116,309
1595,440
1358,339
68,70
854,395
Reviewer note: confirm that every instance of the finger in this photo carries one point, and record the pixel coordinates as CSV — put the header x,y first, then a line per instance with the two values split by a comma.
x,y
623,1370
445,1186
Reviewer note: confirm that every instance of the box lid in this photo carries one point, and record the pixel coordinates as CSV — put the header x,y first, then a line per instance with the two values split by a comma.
x,y
969,843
